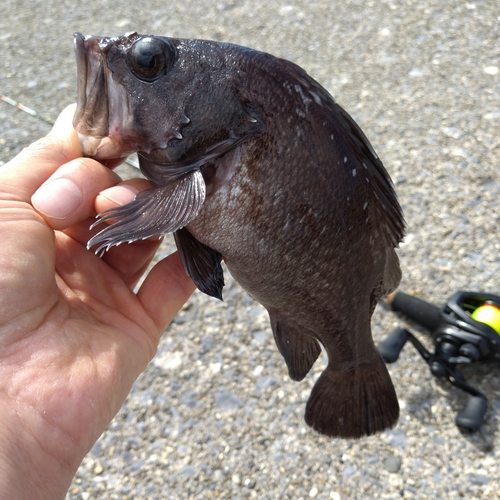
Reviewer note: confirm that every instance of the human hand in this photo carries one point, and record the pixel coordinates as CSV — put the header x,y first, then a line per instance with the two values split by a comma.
x,y
73,334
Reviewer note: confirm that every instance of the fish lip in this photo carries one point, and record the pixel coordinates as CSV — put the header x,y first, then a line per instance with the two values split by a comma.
x,y
81,71
92,111
97,102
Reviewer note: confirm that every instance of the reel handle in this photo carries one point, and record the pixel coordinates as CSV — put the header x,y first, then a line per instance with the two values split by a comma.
x,y
424,313
391,346
471,417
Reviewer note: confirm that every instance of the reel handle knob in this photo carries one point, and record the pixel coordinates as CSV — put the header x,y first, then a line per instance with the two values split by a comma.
x,y
471,417
391,346
424,313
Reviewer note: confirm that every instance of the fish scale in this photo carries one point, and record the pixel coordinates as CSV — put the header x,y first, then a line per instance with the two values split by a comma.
x,y
295,200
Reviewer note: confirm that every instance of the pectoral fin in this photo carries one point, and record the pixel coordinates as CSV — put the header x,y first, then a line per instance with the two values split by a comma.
x,y
156,211
201,263
299,349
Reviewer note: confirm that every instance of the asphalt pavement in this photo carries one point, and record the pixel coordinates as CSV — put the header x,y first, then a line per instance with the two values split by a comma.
x,y
215,414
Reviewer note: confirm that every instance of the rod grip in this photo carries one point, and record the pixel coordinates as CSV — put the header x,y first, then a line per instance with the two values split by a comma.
x,y
471,417
424,313
391,346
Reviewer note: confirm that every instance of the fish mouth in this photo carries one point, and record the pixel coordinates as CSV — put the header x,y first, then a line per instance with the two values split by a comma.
x,y
100,105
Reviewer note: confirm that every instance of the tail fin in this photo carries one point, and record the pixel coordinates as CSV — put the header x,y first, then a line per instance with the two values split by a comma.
x,y
354,403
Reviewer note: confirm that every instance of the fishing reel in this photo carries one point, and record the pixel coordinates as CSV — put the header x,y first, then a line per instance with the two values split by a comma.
x,y
465,330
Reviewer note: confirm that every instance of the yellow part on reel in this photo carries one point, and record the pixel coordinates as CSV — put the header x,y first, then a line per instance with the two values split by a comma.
x,y
488,314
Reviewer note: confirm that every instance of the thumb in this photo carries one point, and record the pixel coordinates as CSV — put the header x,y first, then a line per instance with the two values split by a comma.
x,y
25,173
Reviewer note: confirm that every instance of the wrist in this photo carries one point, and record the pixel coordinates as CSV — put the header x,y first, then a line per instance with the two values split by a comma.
x,y
29,466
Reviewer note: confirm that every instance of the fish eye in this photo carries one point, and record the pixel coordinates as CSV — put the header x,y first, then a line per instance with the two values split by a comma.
x,y
151,57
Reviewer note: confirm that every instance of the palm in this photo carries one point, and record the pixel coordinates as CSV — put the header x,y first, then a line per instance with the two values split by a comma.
x,y
73,334
79,323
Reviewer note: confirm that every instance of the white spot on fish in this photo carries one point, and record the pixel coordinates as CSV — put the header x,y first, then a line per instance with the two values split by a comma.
x,y
300,112
345,159
365,205
354,172
317,98
305,99
286,85
331,137
235,190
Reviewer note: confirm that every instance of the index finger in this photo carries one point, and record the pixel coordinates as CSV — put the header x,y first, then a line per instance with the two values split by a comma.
x,y
25,173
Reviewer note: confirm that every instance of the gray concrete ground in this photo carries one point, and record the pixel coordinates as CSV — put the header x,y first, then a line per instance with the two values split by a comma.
x,y
215,415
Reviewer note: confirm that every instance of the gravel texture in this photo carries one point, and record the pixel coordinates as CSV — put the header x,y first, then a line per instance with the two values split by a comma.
x,y
215,415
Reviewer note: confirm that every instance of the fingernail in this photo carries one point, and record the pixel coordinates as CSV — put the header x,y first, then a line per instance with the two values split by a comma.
x,y
58,198
121,195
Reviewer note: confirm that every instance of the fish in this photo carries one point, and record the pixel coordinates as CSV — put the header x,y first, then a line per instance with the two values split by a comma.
x,y
254,164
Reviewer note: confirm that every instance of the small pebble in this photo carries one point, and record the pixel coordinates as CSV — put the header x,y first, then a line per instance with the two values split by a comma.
x,y
479,480
314,492
264,382
260,337
188,470
437,477
227,401
349,471
392,463
249,483
398,438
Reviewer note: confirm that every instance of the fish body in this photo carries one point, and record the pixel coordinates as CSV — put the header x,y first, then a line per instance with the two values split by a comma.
x,y
254,163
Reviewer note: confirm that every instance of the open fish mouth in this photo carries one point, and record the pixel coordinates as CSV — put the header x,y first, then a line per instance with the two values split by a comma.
x,y
100,106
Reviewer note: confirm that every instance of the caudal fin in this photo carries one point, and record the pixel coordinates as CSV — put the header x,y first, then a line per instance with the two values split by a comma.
x,y
354,403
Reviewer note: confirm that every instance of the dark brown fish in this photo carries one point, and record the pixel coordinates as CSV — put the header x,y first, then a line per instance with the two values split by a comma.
x,y
253,162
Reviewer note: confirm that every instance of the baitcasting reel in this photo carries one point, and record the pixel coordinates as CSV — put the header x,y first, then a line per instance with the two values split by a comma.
x,y
465,330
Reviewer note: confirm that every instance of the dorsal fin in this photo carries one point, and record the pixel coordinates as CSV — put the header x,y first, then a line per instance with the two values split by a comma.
x,y
388,206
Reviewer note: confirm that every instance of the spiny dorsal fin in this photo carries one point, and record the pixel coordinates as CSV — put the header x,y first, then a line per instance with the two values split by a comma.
x,y
389,209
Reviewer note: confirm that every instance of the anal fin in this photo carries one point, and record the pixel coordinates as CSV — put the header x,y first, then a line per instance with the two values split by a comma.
x,y
353,403
201,263
299,349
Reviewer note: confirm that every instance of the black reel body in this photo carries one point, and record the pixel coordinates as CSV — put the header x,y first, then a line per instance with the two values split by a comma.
x,y
458,334
458,339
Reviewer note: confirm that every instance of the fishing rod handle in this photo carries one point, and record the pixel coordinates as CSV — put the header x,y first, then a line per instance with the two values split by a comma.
x,y
391,346
424,313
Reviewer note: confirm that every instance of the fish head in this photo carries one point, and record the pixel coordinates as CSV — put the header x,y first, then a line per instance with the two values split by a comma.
x,y
116,76
173,101
178,104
